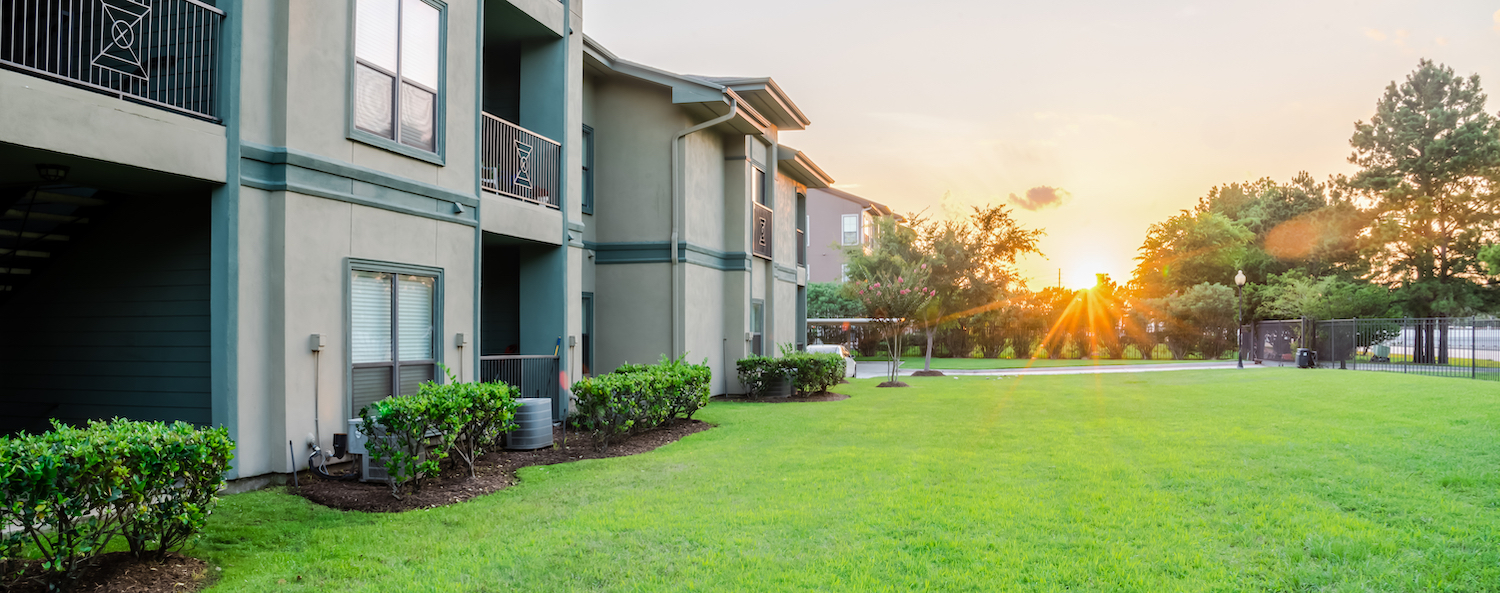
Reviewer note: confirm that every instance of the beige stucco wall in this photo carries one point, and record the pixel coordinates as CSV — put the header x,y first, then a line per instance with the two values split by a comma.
x,y
297,288
633,129
39,113
296,89
824,258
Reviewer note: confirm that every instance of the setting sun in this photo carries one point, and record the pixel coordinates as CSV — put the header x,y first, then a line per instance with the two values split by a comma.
x,y
1082,276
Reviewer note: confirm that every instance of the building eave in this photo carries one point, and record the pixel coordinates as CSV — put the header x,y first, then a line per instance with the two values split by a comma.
x,y
797,165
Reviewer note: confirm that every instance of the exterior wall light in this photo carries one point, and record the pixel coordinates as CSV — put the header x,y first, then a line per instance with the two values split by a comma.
x,y
52,173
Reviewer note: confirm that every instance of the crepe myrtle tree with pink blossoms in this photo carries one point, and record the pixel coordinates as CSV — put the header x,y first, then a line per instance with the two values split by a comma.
x,y
893,301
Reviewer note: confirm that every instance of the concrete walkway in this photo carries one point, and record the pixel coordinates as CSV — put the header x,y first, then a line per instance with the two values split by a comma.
x,y
870,370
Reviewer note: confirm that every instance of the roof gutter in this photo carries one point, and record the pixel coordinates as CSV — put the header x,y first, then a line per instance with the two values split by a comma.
x,y
678,188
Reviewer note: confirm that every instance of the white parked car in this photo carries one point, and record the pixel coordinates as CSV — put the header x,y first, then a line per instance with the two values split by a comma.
x,y
838,349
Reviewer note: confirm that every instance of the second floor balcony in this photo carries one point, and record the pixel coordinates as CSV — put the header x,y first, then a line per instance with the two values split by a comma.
x,y
518,163
158,52
762,231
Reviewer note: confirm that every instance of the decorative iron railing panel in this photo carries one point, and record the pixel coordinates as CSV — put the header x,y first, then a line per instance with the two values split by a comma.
x,y
762,231
1442,346
519,163
533,375
160,52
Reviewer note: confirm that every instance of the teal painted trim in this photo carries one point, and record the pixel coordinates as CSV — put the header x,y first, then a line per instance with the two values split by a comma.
x,y
286,169
384,143
476,343
440,139
560,410
224,221
350,265
784,274
654,252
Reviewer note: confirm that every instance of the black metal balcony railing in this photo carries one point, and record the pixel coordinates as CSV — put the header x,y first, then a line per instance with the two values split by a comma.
x,y
160,52
532,375
762,231
519,163
801,247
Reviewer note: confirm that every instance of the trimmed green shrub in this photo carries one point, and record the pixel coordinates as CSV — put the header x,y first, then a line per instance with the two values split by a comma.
x,y
810,373
757,372
815,373
473,417
637,398
396,429
69,491
467,418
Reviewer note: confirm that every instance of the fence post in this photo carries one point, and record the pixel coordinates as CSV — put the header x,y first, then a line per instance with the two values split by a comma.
x,y
1473,347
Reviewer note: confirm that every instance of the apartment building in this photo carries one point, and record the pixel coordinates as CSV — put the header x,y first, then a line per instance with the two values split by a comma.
x,y
265,215
693,216
837,220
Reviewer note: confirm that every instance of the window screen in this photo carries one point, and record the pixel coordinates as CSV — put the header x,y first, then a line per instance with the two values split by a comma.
x,y
851,229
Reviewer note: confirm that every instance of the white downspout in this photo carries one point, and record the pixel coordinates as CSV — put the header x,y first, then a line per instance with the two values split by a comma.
x,y
678,177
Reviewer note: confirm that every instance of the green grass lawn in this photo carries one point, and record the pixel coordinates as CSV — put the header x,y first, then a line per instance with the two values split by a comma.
x,y
915,362
1258,480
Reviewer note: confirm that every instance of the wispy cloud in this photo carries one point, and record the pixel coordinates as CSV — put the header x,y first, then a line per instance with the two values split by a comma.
x,y
1041,197
846,186
1375,34
1497,20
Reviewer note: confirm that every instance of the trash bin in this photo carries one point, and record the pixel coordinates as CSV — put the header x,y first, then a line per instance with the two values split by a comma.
x,y
1306,358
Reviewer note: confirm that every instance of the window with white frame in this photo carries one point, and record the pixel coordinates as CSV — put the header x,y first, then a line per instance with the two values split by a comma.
x,y
851,229
866,234
392,330
397,64
844,273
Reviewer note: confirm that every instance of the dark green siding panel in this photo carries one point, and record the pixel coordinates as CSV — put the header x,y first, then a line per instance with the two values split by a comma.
x,y
118,325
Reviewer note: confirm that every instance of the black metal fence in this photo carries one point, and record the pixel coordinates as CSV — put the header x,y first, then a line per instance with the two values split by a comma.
x,y
160,52
533,375
1440,346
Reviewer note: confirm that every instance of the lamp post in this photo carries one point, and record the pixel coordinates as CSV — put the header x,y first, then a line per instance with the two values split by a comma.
x,y
1239,287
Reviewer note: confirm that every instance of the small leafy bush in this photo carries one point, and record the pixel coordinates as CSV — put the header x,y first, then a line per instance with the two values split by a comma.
x,y
637,398
71,490
473,416
810,372
757,372
467,418
396,429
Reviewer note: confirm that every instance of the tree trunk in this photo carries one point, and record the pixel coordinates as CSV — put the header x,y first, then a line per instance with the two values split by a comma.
x,y
1442,341
927,365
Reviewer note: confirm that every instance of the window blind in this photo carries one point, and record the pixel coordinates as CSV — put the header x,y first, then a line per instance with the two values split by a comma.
x,y
376,26
370,308
414,316
420,34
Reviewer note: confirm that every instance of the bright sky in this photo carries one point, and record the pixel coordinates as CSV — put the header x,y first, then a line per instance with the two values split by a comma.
x,y
1133,109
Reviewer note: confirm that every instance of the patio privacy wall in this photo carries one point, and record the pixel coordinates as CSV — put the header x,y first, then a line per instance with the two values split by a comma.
x,y
118,326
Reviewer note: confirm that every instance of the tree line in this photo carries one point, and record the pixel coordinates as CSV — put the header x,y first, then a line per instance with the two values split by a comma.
x,y
1413,233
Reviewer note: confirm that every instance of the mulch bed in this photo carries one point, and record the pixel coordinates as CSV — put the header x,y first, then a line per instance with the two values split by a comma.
x,y
494,471
827,396
927,374
119,572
